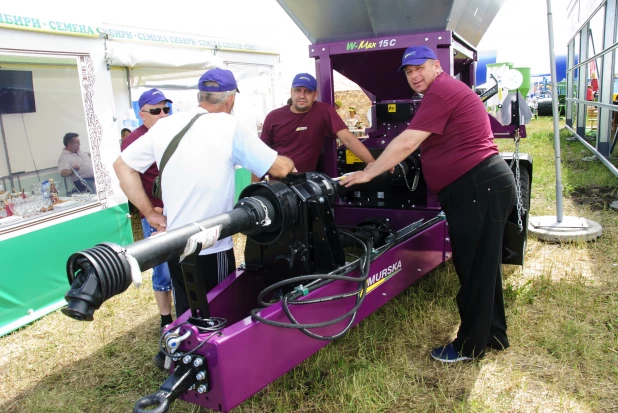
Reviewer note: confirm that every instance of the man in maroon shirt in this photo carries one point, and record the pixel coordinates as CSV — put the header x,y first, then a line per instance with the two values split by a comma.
x,y
476,190
153,106
298,130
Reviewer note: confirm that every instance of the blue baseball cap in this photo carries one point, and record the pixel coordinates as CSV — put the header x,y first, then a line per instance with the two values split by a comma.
x,y
223,77
152,97
416,55
306,80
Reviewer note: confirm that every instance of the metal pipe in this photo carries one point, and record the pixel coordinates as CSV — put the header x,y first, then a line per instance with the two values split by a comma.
x,y
609,106
129,88
596,153
555,110
156,250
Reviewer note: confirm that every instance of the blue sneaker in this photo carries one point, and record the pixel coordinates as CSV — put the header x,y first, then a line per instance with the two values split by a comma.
x,y
448,354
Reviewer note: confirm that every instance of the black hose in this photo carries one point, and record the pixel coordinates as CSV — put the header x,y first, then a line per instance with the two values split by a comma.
x,y
95,275
101,272
319,280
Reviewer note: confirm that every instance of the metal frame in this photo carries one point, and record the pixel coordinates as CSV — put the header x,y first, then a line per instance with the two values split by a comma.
x,y
604,142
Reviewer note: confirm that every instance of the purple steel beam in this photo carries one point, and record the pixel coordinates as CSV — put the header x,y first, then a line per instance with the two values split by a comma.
x,y
501,131
249,355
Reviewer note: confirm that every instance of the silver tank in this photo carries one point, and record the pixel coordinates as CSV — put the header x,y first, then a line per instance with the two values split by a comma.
x,y
336,20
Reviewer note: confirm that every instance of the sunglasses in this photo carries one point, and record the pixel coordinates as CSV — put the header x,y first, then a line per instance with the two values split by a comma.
x,y
157,111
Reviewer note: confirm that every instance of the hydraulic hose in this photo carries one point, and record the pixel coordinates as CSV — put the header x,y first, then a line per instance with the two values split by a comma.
x,y
318,281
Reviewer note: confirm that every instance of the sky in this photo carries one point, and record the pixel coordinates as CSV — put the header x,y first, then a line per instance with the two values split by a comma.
x,y
519,32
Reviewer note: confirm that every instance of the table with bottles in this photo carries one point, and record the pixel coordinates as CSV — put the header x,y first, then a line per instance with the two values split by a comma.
x,y
41,200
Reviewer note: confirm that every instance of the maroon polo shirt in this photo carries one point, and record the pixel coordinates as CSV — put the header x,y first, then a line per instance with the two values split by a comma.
x,y
461,135
300,136
151,173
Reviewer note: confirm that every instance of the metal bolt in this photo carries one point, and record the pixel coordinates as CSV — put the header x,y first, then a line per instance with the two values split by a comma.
x,y
382,142
201,375
321,199
187,359
447,239
426,39
448,255
202,389
419,270
323,49
312,50
197,362
439,37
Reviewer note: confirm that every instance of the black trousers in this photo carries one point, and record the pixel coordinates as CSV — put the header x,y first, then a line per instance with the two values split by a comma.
x,y
476,207
216,267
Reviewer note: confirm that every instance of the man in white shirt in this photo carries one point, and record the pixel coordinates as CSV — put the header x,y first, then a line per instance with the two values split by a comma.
x,y
198,180
73,163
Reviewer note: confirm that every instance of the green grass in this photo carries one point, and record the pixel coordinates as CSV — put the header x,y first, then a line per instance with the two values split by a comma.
x,y
562,310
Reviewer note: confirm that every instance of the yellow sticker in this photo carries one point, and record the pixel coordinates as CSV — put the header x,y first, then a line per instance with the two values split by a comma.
x,y
392,108
350,158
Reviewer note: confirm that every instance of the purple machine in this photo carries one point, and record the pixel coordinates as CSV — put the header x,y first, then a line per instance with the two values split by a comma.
x,y
336,255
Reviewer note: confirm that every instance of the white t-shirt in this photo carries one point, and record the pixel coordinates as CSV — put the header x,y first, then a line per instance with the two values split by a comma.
x,y
82,159
198,180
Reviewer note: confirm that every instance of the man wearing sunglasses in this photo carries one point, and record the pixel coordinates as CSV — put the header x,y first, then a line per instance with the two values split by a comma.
x,y
153,106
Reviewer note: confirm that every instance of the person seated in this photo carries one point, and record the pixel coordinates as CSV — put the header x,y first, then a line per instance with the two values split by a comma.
x,y
351,119
76,165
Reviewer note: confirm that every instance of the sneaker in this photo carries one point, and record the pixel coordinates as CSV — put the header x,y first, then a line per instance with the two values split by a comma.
x,y
448,354
159,361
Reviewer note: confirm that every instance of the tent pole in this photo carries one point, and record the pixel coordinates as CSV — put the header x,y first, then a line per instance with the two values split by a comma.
x,y
6,153
129,87
555,108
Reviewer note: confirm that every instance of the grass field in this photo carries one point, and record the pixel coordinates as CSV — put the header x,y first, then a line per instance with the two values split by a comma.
x,y
562,310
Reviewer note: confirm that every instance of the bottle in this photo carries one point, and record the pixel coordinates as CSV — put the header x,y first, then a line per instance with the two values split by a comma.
x,y
53,192
23,193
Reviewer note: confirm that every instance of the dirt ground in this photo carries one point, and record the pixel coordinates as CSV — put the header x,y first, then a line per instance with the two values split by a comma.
x,y
596,197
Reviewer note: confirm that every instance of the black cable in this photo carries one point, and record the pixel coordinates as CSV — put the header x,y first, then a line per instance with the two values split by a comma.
x,y
360,297
181,354
366,228
323,279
